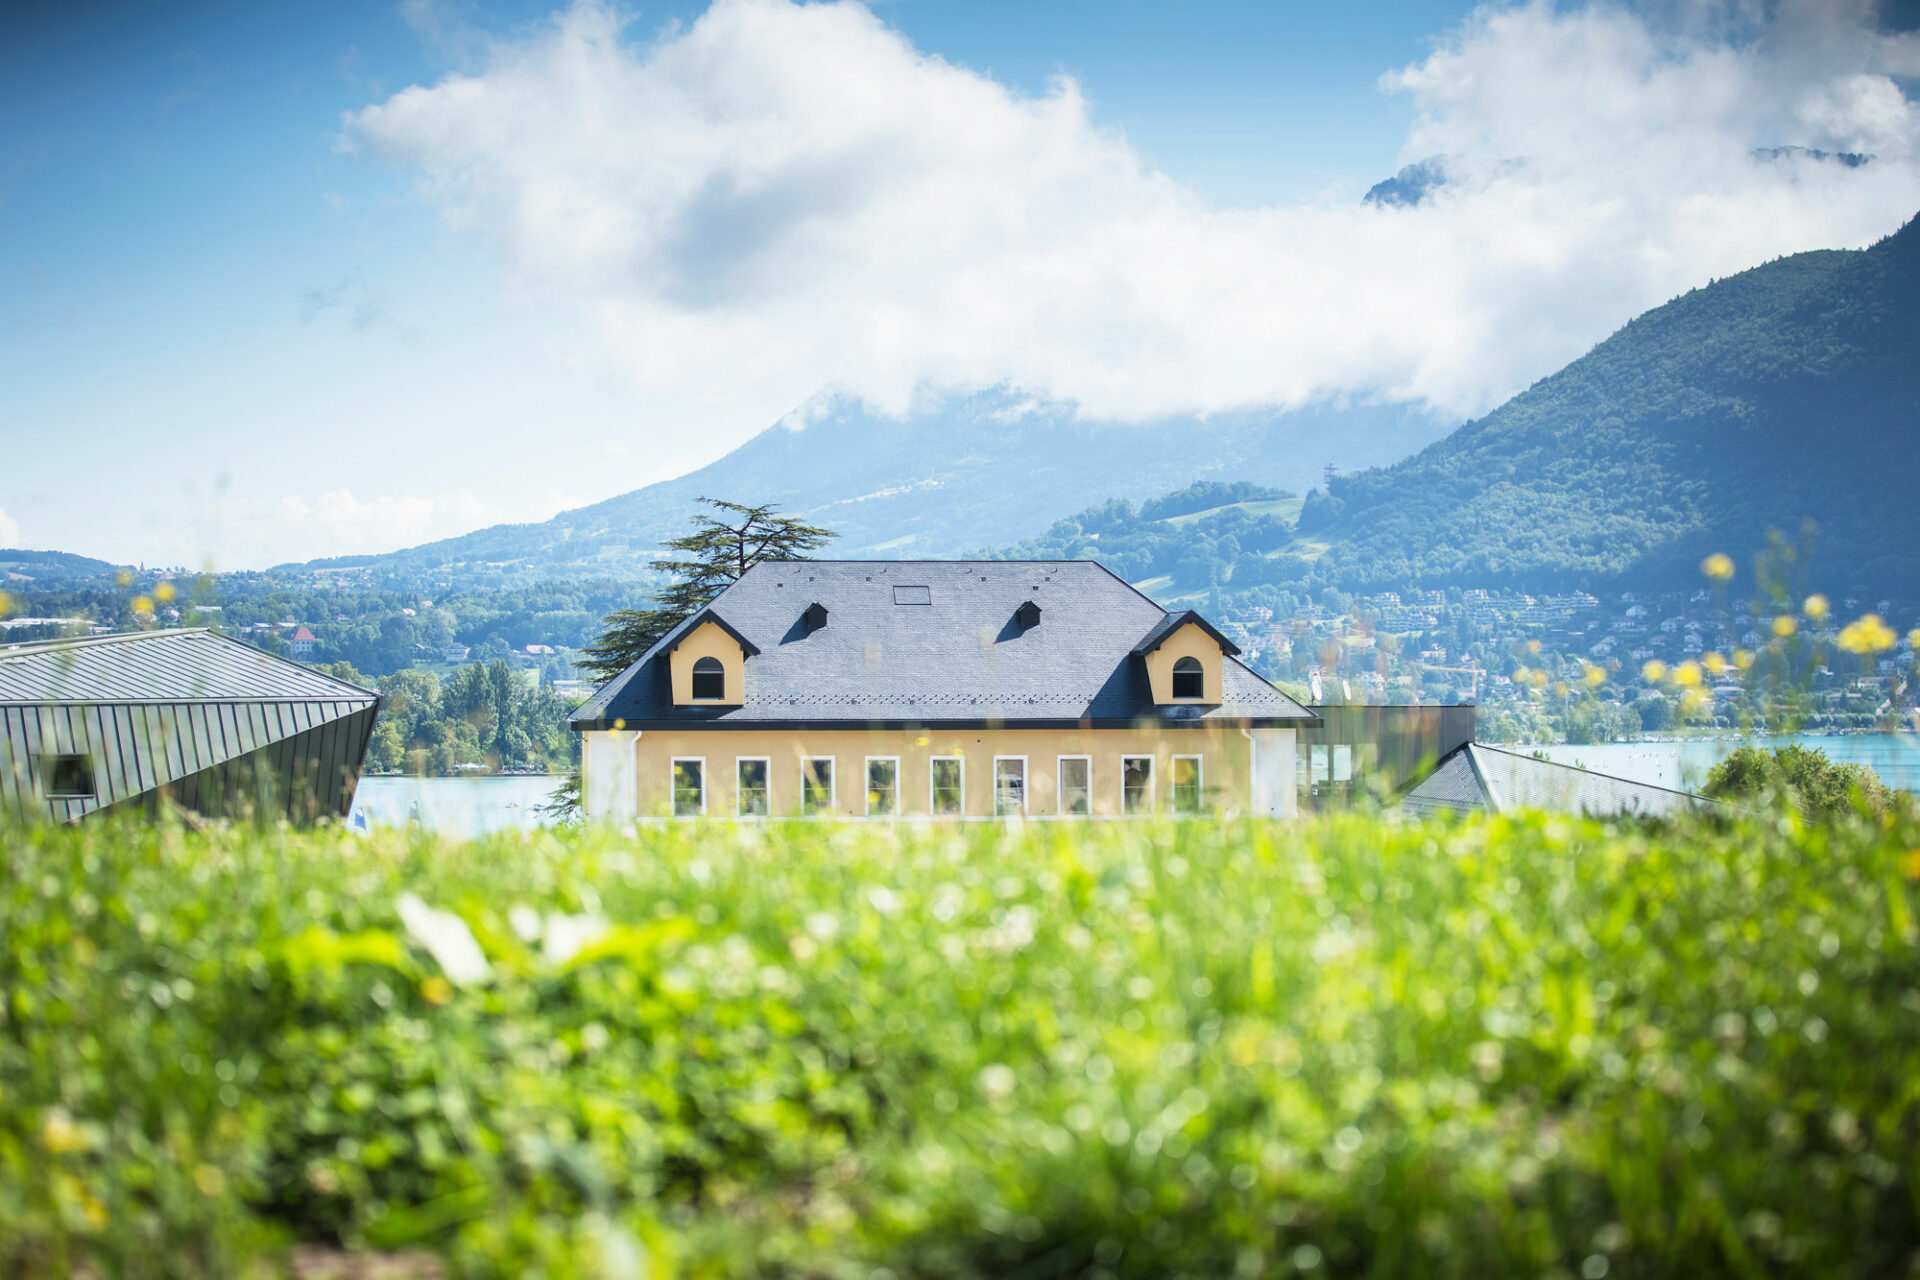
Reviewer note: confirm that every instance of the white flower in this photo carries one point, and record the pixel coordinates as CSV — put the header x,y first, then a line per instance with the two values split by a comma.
x,y
447,939
567,934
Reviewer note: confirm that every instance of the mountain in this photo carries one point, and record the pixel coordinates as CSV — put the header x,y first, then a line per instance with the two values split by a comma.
x,y
19,566
1785,394
954,476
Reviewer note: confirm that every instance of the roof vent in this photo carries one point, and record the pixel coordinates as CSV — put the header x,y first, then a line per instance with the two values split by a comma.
x,y
1027,615
913,595
815,617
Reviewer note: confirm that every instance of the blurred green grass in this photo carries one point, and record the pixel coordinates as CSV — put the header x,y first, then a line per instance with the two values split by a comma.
x,y
1511,1046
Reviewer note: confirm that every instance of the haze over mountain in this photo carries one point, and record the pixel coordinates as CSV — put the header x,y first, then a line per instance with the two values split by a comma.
x,y
1787,393
954,476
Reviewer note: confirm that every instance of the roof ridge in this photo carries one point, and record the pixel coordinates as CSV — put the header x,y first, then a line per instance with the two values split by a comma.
x,y
1595,773
25,647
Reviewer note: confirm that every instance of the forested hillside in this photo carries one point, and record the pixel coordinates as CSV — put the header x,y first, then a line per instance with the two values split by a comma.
x,y
953,475
1786,394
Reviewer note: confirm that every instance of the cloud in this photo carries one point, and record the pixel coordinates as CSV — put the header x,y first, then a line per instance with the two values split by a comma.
x,y
9,531
781,197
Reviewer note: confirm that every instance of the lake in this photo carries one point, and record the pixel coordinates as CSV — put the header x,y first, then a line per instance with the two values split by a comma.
x,y
479,806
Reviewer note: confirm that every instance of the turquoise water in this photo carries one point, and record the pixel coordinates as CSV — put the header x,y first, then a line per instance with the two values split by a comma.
x,y
460,807
1684,764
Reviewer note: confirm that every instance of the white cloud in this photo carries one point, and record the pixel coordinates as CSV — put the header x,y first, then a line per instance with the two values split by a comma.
x,y
9,531
258,531
781,197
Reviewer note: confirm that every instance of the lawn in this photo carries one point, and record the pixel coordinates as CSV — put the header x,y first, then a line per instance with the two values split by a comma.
x,y
1531,1046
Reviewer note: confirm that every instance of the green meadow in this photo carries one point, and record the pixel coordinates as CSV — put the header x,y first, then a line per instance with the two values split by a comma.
x,y
1348,1047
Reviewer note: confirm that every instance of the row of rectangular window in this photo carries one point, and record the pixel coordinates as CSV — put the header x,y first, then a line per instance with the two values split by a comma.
x,y
946,785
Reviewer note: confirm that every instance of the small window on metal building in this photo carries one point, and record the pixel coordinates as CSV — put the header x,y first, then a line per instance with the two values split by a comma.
x,y
913,595
66,777
1189,679
709,679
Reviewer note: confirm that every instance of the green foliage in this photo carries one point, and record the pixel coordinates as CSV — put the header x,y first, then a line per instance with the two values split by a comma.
x,y
1779,395
1233,529
484,714
1515,1046
1820,787
719,550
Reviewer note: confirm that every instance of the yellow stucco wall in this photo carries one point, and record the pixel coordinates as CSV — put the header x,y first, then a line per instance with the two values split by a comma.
x,y
1188,642
708,640
1223,749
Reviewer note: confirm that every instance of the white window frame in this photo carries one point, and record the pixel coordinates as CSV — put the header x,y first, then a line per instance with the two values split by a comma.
x,y
1200,781
1060,786
673,790
1026,788
738,791
866,785
1153,799
933,807
833,785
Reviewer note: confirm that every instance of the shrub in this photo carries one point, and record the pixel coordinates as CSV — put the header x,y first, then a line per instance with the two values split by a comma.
x,y
1508,1046
1820,787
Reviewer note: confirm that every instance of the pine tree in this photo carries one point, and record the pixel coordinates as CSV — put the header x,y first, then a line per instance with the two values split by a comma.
x,y
720,549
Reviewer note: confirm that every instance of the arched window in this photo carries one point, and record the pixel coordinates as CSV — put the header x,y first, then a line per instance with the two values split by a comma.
x,y
709,679
1189,680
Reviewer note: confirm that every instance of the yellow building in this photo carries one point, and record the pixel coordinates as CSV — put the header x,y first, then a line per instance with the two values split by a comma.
x,y
956,689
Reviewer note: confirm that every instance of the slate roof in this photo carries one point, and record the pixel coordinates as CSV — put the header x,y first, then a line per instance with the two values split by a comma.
x,y
959,659
187,665
1478,777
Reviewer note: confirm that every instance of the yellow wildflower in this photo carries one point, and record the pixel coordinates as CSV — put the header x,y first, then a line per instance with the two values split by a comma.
x,y
1560,688
1596,675
1910,865
1913,636
1743,658
1867,635
210,1180
142,607
1816,607
163,592
436,990
6,604
1687,675
92,1210
1692,701
1533,646
1718,566
59,1134
1784,625
1654,672
124,578
1715,664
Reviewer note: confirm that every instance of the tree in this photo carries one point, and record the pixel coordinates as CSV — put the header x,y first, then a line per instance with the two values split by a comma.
x,y
1822,788
721,548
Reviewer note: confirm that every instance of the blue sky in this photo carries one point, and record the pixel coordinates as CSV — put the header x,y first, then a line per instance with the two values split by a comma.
x,y
285,280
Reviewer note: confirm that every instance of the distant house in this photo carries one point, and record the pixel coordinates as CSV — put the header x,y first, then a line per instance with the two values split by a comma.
x,y
959,689
300,644
191,717
457,653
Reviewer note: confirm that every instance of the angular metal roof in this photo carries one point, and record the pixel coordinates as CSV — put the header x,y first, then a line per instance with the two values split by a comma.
x,y
948,652
1480,777
193,665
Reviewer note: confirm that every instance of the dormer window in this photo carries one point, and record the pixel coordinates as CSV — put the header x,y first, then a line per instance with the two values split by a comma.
x,y
1027,615
709,680
815,616
1189,679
